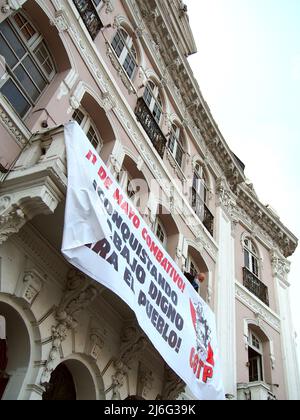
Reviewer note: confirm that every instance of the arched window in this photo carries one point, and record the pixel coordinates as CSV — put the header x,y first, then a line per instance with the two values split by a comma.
x,y
251,257
153,100
125,50
86,123
176,144
255,362
160,232
29,64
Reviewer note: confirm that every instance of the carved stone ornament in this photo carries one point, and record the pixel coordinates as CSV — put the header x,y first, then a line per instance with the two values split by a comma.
x,y
133,341
281,266
30,286
173,385
21,206
145,381
79,293
227,199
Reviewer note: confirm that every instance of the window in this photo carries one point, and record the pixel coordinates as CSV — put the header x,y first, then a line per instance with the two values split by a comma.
x,y
153,100
123,46
192,271
98,3
175,144
160,232
255,354
200,184
251,257
28,62
88,127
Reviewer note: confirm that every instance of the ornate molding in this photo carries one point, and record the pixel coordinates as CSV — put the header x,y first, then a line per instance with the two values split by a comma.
x,y
12,127
226,199
173,385
31,286
260,310
80,292
133,342
145,381
21,206
281,266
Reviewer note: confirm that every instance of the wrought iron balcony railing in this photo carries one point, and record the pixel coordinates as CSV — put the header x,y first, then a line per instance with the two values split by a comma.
x,y
151,127
255,286
89,15
202,211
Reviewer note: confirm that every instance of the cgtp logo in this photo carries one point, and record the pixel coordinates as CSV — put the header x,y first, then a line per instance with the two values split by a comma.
x,y
201,358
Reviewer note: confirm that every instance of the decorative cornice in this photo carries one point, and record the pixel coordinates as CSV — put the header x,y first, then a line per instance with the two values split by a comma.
x,y
269,225
261,311
198,109
20,206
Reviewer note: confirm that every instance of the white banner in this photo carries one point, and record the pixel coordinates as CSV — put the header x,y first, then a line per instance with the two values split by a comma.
x,y
106,238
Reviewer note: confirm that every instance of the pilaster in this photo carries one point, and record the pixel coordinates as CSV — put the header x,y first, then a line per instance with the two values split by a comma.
x,y
281,268
225,311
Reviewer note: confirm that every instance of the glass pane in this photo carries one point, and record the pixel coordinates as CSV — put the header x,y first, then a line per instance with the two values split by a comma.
x,y
12,39
15,97
25,27
97,2
78,116
7,53
26,83
44,58
35,74
247,259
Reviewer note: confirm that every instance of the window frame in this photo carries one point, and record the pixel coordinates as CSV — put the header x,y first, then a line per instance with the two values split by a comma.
x,y
155,104
201,187
175,144
128,54
251,257
258,359
160,225
86,124
31,47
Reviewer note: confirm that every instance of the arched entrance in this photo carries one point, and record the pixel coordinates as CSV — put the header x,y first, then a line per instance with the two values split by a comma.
x,y
61,386
70,381
14,353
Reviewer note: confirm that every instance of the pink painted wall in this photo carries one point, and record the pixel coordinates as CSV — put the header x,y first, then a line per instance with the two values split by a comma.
x,y
266,275
276,375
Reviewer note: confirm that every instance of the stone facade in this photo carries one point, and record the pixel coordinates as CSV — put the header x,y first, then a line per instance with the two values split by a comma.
x,y
58,316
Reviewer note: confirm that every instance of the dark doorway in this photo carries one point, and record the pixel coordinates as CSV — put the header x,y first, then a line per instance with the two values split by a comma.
x,y
61,386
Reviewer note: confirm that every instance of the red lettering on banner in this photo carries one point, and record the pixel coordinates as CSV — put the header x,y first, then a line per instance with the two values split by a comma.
x,y
118,197
201,370
92,157
102,173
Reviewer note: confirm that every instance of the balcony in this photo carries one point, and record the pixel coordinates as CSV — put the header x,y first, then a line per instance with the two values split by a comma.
x,y
255,286
151,127
202,211
89,15
255,391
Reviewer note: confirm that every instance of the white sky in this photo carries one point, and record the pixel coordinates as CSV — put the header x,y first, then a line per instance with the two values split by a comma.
x,y
248,69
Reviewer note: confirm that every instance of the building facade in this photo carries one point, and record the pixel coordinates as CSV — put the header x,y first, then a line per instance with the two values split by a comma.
x,y
120,69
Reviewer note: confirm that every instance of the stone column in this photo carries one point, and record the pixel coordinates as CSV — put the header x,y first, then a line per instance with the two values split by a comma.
x,y
225,287
281,269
